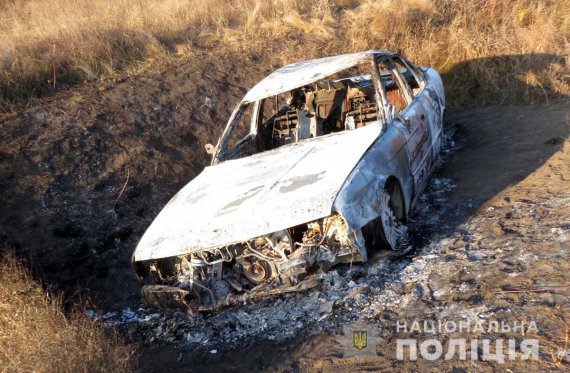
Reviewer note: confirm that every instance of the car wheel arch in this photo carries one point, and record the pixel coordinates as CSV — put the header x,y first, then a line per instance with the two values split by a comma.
x,y
371,231
393,182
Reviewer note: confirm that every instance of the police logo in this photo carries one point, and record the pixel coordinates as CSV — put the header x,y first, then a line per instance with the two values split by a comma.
x,y
359,339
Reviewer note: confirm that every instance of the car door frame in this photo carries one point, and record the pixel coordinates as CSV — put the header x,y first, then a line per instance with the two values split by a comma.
x,y
435,121
413,124
434,117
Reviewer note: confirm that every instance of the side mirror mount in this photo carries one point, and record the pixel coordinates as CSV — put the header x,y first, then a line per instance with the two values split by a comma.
x,y
210,149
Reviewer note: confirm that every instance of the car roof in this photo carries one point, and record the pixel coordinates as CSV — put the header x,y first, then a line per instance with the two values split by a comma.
x,y
305,72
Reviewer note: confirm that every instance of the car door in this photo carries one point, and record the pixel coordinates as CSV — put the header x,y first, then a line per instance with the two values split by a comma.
x,y
426,95
411,118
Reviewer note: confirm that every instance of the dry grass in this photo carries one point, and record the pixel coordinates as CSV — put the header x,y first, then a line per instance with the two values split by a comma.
x,y
489,50
36,336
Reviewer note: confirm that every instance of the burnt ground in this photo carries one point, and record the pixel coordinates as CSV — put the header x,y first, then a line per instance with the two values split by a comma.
x,y
84,173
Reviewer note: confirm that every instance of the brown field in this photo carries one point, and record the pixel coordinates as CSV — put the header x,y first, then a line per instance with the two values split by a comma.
x,y
36,335
491,50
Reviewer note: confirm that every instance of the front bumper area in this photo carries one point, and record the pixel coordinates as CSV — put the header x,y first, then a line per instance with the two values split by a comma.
x,y
286,261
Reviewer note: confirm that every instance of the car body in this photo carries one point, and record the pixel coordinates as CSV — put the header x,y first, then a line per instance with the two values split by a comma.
x,y
322,161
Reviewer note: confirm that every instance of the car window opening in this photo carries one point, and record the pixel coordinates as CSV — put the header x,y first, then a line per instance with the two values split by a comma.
x,y
317,110
344,101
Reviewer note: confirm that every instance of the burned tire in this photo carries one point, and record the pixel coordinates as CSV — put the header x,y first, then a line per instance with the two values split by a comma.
x,y
393,227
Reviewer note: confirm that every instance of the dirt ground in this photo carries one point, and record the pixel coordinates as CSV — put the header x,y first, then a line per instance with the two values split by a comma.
x,y
502,250
83,174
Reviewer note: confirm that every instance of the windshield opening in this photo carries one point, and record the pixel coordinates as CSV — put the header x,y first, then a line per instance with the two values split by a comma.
x,y
343,101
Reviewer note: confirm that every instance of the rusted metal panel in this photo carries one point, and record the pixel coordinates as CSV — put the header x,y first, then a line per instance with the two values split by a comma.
x,y
272,191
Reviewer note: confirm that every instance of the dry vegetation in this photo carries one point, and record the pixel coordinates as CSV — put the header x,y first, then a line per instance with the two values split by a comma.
x,y
36,335
489,50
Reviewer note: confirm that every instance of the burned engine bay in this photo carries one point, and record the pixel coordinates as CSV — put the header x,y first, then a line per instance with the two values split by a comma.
x,y
285,261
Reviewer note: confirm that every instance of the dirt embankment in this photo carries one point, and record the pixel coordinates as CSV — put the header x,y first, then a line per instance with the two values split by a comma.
x,y
83,175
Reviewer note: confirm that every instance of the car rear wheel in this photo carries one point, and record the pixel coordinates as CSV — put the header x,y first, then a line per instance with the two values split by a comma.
x,y
394,230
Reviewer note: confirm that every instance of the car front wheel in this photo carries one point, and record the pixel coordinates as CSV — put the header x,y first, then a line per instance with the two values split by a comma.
x,y
392,217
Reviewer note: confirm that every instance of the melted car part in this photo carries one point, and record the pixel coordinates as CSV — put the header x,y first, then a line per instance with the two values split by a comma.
x,y
285,261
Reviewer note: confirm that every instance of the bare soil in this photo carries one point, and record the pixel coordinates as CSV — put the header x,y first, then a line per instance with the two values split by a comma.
x,y
83,174
500,249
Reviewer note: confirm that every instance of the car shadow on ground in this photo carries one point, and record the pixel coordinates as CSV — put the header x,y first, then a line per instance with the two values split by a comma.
x,y
490,149
505,79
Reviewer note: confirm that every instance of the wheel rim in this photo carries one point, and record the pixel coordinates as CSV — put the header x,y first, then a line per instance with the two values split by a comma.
x,y
394,230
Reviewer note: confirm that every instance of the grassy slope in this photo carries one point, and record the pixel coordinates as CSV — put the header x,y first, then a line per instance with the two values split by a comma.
x,y
36,335
46,44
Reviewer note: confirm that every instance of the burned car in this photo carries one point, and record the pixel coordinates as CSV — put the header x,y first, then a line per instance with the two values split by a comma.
x,y
321,162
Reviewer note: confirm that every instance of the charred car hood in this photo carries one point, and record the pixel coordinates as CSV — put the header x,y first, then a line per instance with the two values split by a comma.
x,y
245,198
